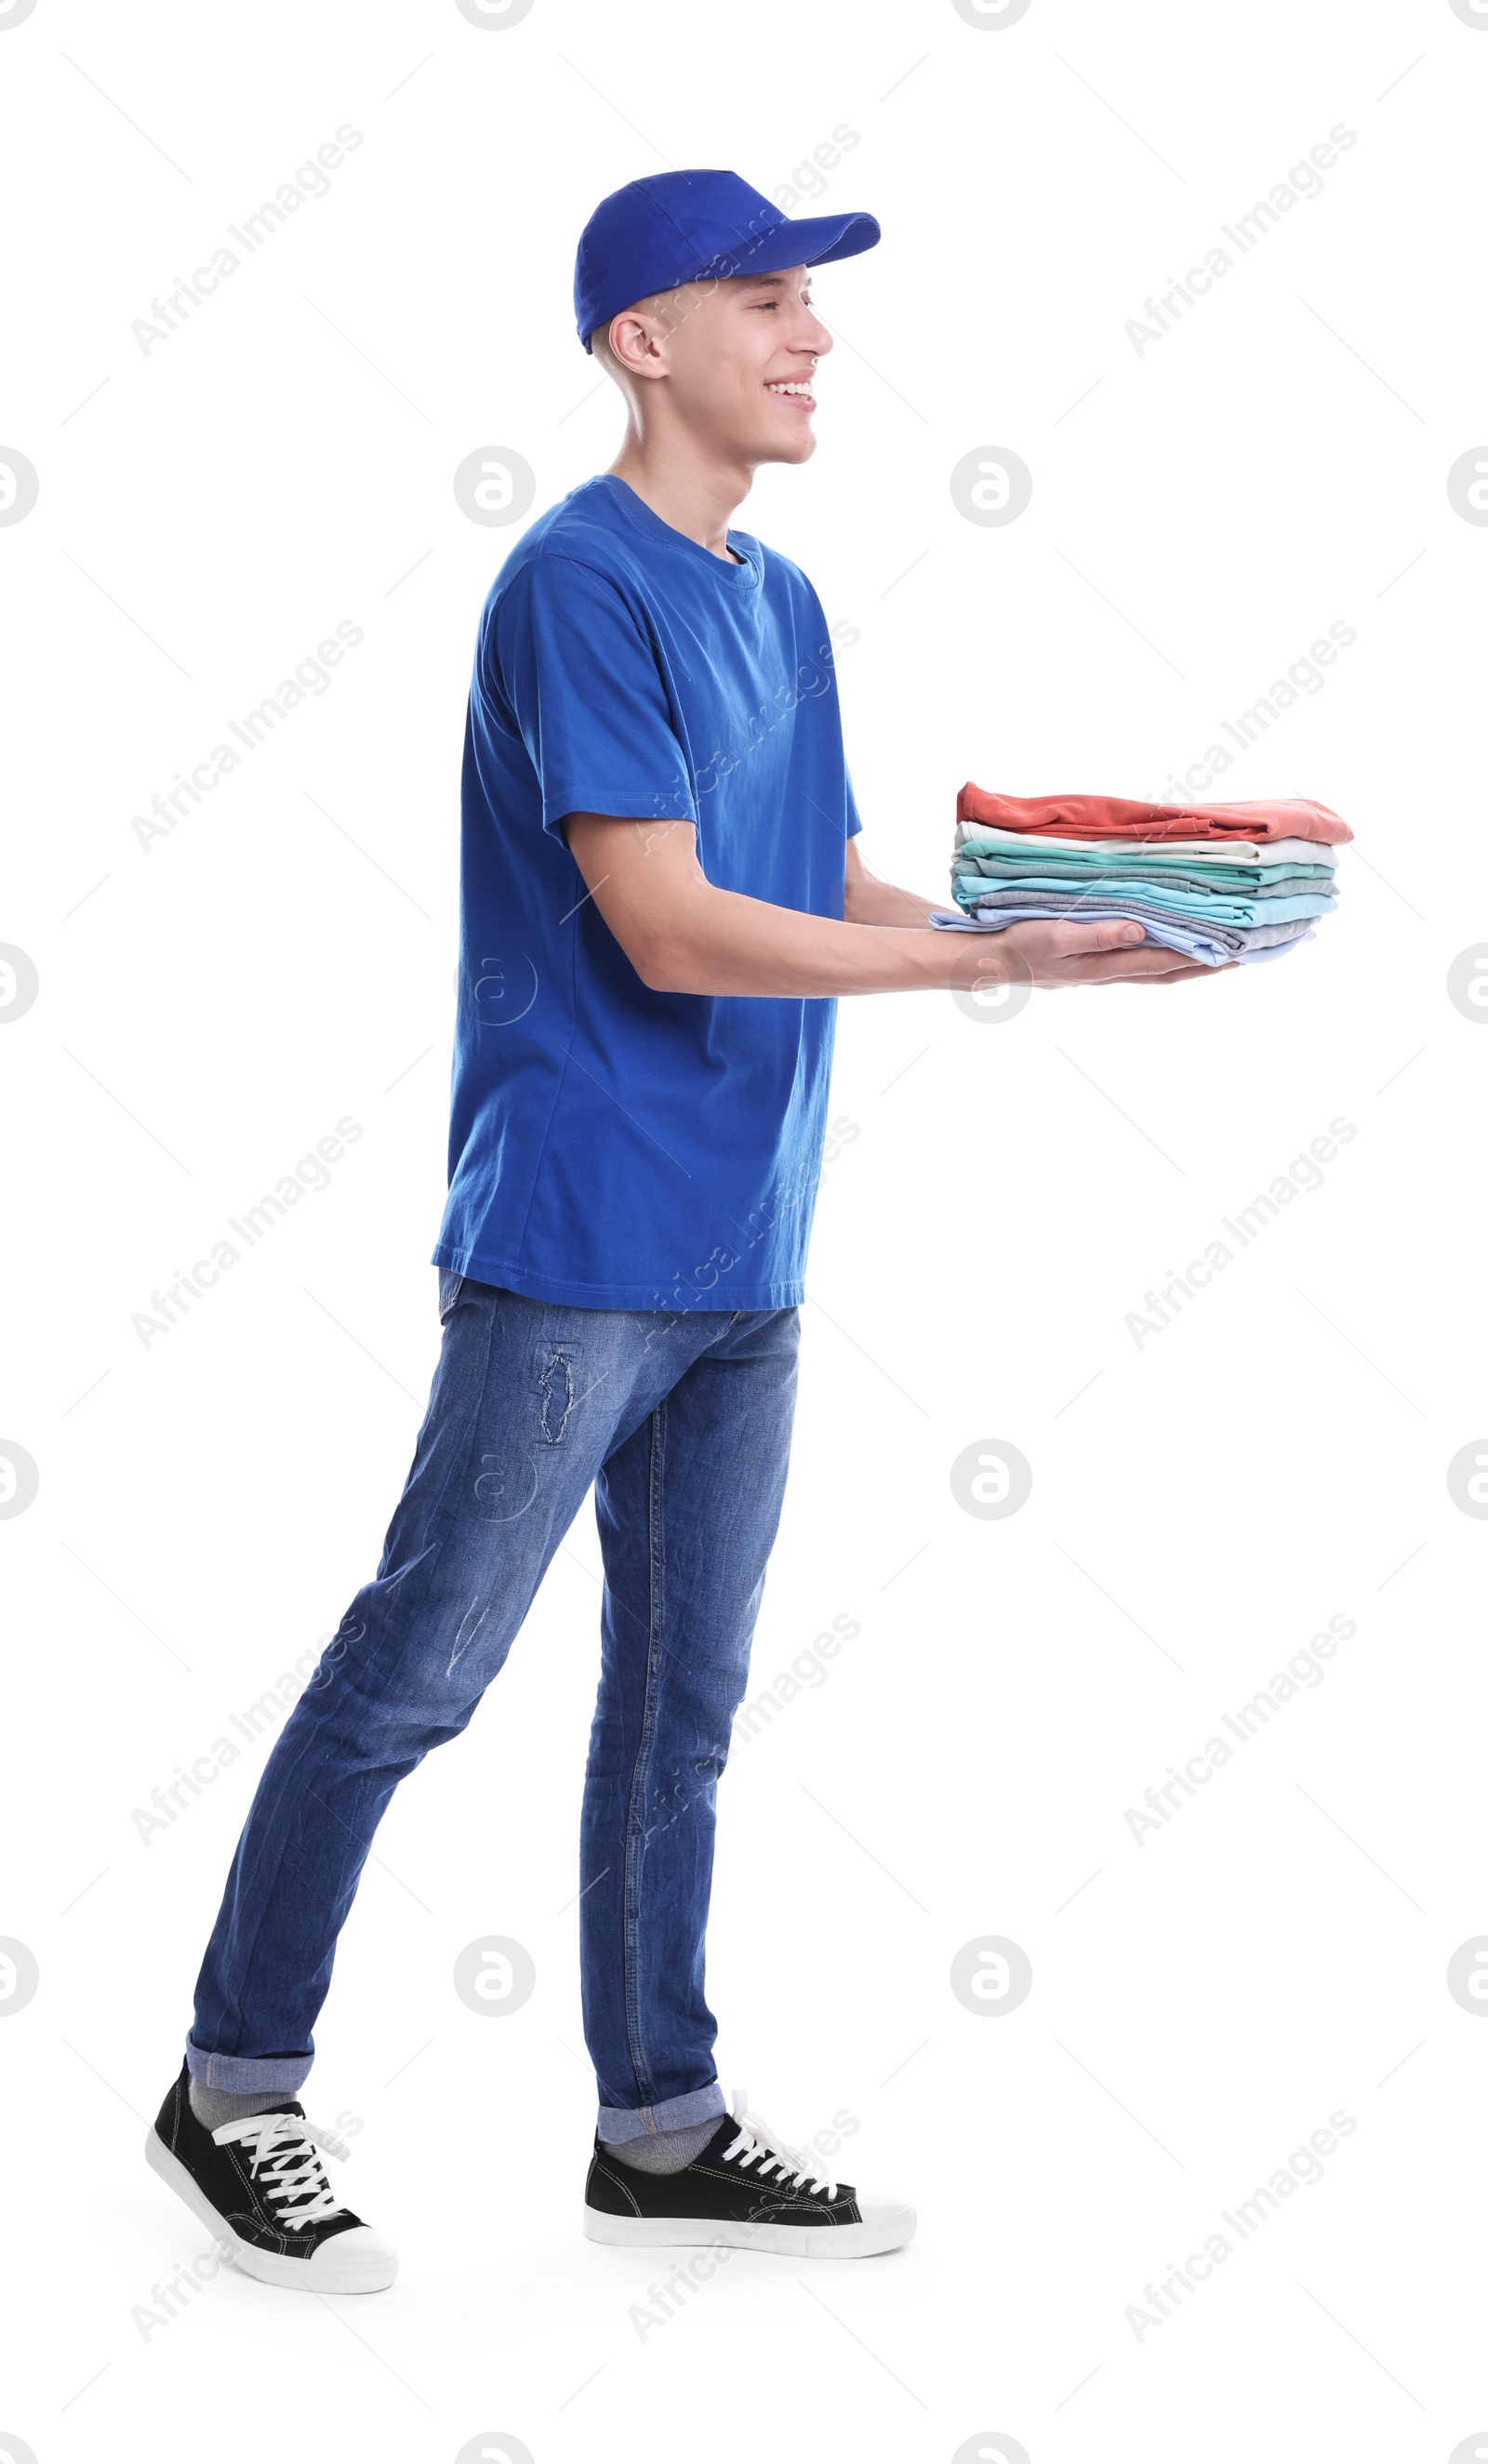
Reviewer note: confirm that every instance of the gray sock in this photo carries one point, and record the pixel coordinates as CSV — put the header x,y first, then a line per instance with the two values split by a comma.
x,y
664,2151
212,2106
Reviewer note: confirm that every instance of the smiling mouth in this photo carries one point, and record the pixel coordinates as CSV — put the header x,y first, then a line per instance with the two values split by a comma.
x,y
795,392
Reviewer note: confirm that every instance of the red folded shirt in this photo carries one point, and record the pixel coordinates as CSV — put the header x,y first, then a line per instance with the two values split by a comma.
x,y
1115,817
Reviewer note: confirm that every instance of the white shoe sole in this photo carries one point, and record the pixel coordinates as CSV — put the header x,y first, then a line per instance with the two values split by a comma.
x,y
889,2228
362,2269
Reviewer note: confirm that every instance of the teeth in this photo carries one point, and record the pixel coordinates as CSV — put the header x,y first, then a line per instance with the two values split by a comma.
x,y
788,389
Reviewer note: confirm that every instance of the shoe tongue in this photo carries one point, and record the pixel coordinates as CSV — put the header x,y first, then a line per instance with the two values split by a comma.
x,y
724,2136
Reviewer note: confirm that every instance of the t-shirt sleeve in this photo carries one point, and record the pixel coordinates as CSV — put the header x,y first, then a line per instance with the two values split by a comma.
x,y
572,669
854,820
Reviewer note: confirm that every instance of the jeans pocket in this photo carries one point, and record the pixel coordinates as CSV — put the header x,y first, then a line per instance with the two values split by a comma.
x,y
451,1286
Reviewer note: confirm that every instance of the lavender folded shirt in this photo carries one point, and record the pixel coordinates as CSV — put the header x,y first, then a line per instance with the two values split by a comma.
x,y
1211,945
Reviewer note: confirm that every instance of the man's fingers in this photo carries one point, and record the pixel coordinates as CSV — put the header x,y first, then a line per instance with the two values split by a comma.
x,y
1063,938
1059,952
1179,975
1129,967
1124,966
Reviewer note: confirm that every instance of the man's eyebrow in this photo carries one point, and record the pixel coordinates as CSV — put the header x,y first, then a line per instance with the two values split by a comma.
x,y
773,281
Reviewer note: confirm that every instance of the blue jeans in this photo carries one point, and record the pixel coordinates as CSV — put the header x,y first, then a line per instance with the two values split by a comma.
x,y
683,1423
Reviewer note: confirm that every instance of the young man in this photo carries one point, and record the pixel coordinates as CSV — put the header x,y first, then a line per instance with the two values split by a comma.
x,y
661,895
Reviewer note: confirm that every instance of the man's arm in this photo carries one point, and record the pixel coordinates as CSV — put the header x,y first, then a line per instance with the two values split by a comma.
x,y
682,935
870,900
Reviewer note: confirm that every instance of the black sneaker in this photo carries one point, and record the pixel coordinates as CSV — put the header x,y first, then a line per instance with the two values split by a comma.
x,y
748,2190
260,2187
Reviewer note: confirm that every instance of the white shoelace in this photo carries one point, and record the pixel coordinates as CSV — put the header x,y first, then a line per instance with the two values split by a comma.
x,y
281,2149
758,2145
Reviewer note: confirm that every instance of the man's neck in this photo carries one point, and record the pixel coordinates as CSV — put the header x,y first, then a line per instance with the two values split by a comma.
x,y
690,493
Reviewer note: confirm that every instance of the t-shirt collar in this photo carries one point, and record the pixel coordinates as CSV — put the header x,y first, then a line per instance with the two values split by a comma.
x,y
745,575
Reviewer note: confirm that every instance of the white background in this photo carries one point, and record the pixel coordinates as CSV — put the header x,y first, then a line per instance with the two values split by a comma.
x,y
1202,1505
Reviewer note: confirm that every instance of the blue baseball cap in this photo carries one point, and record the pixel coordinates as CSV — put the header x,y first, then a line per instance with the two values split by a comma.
x,y
696,226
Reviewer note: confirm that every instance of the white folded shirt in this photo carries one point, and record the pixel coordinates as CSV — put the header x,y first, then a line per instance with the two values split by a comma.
x,y
1029,842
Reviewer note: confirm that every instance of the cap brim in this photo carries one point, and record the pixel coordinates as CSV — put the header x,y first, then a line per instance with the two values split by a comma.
x,y
815,239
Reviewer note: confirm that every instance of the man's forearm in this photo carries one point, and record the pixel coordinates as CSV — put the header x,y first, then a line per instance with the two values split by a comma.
x,y
683,934
738,945
872,901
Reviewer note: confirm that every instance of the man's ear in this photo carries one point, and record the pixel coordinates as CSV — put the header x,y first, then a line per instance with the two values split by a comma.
x,y
634,340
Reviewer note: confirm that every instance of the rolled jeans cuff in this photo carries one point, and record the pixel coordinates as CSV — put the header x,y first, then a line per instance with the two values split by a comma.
x,y
617,2122
243,2075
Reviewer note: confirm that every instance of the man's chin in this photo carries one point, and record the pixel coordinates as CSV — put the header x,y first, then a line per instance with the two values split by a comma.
x,y
787,449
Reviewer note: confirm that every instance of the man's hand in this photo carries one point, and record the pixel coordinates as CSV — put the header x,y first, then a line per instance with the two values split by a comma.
x,y
1057,954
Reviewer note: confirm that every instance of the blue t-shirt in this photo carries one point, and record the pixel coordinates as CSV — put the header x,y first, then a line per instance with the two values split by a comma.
x,y
612,1147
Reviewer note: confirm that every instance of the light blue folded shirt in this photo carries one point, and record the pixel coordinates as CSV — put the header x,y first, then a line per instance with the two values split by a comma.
x,y
971,890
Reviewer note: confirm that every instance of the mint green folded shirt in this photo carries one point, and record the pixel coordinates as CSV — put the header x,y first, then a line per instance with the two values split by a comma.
x,y
997,863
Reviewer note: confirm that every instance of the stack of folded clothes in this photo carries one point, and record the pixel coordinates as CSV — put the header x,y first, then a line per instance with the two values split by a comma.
x,y
1221,883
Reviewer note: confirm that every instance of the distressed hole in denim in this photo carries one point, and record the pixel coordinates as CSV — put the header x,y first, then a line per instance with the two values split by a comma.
x,y
471,1624
557,1388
